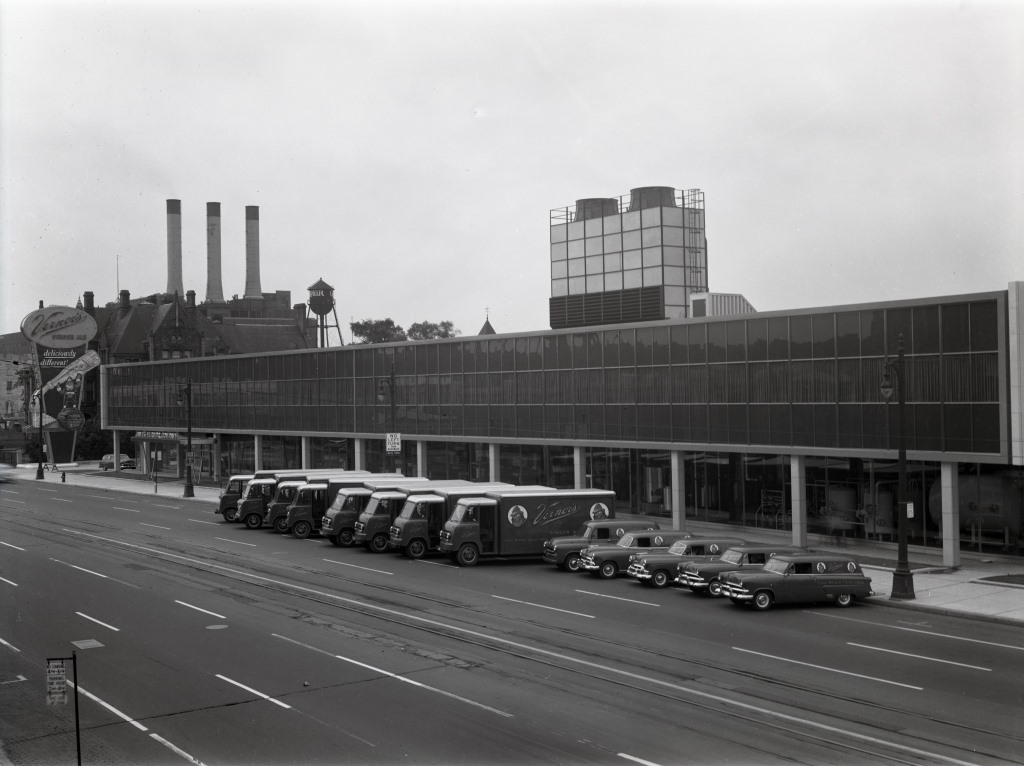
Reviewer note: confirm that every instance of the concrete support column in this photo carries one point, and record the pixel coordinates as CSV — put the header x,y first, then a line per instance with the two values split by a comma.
x,y
258,451
360,449
117,452
493,462
579,468
798,481
950,515
421,459
677,492
307,451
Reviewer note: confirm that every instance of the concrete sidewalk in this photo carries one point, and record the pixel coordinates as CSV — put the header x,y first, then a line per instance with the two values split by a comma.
x,y
983,587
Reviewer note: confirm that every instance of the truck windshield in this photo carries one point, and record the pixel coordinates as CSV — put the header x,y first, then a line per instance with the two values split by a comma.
x,y
414,510
378,506
286,493
465,513
344,503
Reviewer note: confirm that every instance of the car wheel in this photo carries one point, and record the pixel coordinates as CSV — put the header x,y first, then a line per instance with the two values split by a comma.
x,y
379,543
844,599
253,521
281,524
608,569
345,538
571,563
714,589
230,514
763,600
301,529
468,555
416,549
659,579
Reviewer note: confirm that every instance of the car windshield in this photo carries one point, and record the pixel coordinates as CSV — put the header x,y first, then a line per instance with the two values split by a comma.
x,y
678,548
779,566
585,531
626,541
732,556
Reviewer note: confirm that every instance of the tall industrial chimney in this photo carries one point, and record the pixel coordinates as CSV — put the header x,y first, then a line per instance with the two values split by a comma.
x,y
252,252
214,291
174,283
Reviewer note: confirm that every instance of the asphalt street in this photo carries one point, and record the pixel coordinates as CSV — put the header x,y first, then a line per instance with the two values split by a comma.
x,y
204,641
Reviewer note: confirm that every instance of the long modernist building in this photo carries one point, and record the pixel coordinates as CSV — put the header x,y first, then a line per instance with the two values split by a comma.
x,y
769,420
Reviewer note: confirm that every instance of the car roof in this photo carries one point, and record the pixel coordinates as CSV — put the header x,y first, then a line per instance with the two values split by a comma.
x,y
815,557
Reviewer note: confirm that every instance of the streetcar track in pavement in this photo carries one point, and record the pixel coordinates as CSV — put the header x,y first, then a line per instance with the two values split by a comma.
x,y
612,652
608,674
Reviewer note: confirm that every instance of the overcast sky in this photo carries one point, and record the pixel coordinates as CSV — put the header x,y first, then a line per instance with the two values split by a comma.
x,y
409,153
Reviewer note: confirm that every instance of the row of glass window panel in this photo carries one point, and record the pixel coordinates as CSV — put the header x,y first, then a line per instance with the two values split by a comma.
x,y
670,276
638,219
966,378
951,427
951,328
634,259
633,240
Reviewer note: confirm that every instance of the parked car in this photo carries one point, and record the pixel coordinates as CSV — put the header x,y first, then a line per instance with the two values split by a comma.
x,y
659,568
706,576
8,474
609,560
799,579
564,552
127,463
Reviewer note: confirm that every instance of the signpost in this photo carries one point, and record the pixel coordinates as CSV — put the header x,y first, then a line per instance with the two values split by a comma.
x,y
57,689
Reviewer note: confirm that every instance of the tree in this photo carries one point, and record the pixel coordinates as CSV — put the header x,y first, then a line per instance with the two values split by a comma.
x,y
428,330
376,331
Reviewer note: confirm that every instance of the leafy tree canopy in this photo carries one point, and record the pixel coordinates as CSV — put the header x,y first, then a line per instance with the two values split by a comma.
x,y
428,330
377,331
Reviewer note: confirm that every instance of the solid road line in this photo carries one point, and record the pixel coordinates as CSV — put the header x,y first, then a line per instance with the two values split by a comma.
x,y
267,697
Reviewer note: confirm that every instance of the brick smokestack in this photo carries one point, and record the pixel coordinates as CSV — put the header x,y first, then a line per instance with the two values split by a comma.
x,y
252,252
214,290
174,283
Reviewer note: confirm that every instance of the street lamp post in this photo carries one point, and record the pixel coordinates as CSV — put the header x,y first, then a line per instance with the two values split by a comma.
x,y
187,393
902,577
389,383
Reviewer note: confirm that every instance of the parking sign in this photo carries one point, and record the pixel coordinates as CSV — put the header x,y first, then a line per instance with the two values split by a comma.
x,y
56,682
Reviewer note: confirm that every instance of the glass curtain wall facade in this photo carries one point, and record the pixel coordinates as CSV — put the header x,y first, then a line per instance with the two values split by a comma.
x,y
736,397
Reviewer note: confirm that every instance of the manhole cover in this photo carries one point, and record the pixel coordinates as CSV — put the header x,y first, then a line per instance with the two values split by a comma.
x,y
89,643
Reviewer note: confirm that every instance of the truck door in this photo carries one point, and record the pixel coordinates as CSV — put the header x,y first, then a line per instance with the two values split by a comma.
x,y
487,515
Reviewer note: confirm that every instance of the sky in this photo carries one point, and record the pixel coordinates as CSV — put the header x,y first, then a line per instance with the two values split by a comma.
x,y
410,153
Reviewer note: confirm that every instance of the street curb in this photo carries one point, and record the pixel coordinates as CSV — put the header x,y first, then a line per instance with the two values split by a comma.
x,y
887,603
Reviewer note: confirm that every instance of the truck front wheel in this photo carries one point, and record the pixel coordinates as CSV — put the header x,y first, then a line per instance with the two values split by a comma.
x,y
345,538
468,555
416,549
659,579
230,514
379,543
608,569
572,562
301,529
253,521
281,524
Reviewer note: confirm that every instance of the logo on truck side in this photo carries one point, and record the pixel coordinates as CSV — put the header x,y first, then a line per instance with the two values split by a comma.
x,y
548,514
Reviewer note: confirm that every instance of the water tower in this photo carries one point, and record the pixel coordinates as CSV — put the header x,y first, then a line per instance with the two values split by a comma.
x,y
321,303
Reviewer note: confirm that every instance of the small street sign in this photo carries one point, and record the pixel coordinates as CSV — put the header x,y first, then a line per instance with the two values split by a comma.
x,y
56,682
394,444
910,510
192,459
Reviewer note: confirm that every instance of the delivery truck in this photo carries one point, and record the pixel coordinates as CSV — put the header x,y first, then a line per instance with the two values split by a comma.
x,y
518,522
227,505
416,531
339,523
262,490
374,524
307,510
